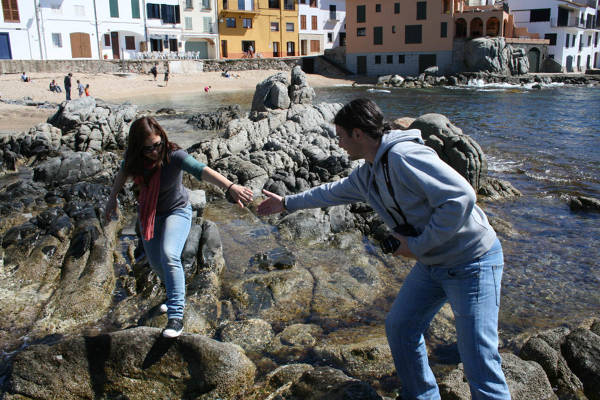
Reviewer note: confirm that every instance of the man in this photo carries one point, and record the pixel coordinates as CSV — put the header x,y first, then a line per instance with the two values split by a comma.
x,y
431,209
68,86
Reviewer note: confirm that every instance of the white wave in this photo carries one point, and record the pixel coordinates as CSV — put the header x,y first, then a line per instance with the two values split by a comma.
x,y
379,91
481,85
501,165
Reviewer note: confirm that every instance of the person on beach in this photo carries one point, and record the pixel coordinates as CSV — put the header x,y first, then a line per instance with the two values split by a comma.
x,y
87,89
54,87
25,78
433,214
164,212
154,71
166,76
207,88
80,88
68,86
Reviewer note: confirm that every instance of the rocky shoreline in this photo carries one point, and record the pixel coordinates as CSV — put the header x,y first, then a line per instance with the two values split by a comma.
x,y
80,313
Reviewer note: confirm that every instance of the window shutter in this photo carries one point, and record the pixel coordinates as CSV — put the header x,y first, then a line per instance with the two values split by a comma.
x,y
114,8
135,8
10,9
303,22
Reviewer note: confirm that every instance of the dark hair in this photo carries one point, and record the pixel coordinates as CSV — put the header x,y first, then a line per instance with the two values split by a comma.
x,y
140,129
363,114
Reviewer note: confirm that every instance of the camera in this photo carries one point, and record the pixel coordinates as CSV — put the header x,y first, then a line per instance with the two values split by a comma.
x,y
390,244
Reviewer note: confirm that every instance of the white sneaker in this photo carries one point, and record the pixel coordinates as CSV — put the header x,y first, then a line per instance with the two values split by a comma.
x,y
163,308
173,329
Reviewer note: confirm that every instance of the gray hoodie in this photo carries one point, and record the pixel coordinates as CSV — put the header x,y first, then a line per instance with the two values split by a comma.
x,y
435,199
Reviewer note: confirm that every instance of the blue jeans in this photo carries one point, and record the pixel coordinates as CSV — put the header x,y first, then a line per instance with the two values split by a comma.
x,y
473,291
164,254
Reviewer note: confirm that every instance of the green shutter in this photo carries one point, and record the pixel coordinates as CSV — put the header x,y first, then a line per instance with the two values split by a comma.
x,y
361,13
135,8
114,8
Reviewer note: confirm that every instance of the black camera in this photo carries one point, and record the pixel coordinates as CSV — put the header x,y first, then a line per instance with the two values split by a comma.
x,y
390,244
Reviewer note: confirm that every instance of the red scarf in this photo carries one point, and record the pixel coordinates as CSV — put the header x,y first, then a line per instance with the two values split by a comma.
x,y
148,199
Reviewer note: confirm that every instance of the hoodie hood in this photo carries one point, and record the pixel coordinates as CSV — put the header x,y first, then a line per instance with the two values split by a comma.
x,y
396,136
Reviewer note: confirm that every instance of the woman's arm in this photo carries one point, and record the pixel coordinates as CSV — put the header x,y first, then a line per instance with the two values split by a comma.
x,y
111,204
237,192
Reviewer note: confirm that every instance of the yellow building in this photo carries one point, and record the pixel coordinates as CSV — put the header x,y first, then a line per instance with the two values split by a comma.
x,y
259,28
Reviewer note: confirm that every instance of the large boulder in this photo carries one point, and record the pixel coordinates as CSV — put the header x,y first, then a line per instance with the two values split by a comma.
x,y
300,90
582,352
494,55
271,94
135,363
551,65
217,119
330,383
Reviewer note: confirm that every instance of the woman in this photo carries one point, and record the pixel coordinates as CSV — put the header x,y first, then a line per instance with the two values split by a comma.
x,y
87,89
164,212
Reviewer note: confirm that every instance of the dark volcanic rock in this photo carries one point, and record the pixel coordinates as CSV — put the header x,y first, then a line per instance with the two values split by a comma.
x,y
332,384
583,203
582,352
217,119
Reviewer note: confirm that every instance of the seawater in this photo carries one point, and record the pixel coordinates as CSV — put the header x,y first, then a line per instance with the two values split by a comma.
x,y
545,142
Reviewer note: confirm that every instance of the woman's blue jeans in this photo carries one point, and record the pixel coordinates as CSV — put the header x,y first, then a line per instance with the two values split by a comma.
x,y
473,291
164,254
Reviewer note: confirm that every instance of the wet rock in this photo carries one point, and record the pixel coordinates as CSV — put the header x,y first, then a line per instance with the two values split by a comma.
x,y
582,352
396,80
497,189
402,123
526,380
295,342
252,335
286,374
432,70
279,258
70,167
583,203
330,383
217,119
135,363
457,149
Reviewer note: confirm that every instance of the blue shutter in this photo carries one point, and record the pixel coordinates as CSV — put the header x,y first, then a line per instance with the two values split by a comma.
x,y
135,8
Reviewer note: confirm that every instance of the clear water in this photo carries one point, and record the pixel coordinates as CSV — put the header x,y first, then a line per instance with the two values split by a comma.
x,y
545,142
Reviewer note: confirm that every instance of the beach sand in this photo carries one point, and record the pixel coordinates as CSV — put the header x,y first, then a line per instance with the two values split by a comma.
x,y
118,88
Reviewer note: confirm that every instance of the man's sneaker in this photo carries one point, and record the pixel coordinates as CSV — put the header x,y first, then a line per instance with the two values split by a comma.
x,y
163,308
173,329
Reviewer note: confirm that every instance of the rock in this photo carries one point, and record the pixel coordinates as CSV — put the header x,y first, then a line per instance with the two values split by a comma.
x,y
197,199
332,384
300,90
383,80
526,380
582,352
583,203
551,65
69,167
396,80
287,374
432,70
455,148
216,119
262,100
134,363
494,55
402,123
496,189
295,342
252,335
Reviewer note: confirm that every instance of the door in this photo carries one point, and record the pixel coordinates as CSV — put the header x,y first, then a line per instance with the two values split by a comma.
x,y
173,45
5,52
197,46
534,60
569,64
342,39
224,48
361,65
426,61
114,41
80,45
303,47
308,65
563,17
275,49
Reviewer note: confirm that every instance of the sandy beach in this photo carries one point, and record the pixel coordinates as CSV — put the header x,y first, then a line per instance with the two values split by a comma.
x,y
118,88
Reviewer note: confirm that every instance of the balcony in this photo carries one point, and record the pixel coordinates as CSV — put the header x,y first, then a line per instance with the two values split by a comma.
x,y
572,22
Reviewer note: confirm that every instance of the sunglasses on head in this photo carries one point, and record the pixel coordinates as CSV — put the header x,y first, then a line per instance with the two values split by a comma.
x,y
150,149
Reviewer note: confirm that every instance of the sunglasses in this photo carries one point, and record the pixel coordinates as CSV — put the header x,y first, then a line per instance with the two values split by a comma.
x,y
150,149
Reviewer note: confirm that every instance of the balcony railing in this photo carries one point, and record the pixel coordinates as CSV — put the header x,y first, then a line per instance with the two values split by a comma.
x,y
573,22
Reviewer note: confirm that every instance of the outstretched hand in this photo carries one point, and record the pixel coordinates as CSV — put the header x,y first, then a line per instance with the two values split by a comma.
x,y
273,204
240,194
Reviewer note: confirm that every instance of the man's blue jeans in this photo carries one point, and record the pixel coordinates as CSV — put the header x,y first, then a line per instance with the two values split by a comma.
x,y
473,291
164,254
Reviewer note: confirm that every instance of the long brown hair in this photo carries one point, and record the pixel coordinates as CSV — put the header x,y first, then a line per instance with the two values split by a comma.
x,y
138,132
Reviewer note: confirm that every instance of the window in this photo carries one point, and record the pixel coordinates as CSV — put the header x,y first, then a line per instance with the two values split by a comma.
x,y
303,22
247,23
288,5
273,3
207,25
377,7
421,10
230,22
377,59
567,41
11,11
153,11
361,31
390,59
595,39
106,40
313,22
169,14
114,8
329,37
332,12
361,14
188,23
57,39
540,14
400,58
444,30
129,42
315,46
205,4
135,8
289,27
291,49
225,7
412,34
393,28
551,37
313,3
274,26
189,4
378,35
396,8
589,40
574,38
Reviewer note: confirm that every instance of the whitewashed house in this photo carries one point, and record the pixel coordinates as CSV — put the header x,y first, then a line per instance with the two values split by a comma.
x,y
163,26
120,28
200,35
322,25
18,31
573,28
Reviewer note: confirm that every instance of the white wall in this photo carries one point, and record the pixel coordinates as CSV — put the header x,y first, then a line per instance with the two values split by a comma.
x,y
324,24
124,25
23,37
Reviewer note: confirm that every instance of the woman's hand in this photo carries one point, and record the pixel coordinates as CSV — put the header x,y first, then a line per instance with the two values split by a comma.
x,y
110,209
403,250
240,194
273,204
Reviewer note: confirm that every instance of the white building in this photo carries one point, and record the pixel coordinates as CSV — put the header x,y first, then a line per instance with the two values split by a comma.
x,y
18,31
573,28
200,31
322,25
120,28
163,25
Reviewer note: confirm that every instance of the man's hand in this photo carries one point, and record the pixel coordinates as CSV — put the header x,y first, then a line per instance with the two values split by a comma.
x,y
403,250
273,204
